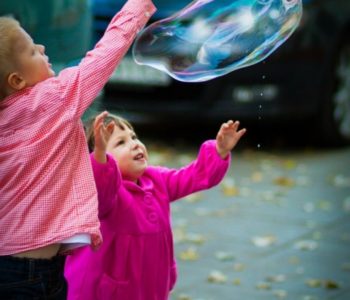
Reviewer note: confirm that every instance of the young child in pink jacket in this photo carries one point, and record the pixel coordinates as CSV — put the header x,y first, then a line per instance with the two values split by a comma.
x,y
48,200
136,259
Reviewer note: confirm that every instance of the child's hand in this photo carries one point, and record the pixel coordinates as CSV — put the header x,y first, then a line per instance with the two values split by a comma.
x,y
227,137
102,133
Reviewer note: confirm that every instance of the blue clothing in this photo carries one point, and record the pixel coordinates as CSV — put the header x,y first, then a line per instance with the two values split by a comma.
x,y
29,279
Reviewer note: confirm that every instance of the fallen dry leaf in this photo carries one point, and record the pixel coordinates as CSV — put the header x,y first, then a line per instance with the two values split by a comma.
x,y
217,277
284,181
257,177
224,256
280,294
236,281
341,181
309,245
314,283
300,270
271,196
325,283
289,164
264,241
276,278
192,198
229,187
184,297
238,267
190,254
263,286
195,238
309,297
179,235
345,237
303,181
346,266
294,260
202,211
346,204
331,284
324,205
309,207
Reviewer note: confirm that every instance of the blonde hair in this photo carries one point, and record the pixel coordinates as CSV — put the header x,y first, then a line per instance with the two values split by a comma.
x,y
9,28
89,127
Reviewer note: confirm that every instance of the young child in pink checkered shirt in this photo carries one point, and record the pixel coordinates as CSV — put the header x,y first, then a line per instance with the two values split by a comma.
x,y
48,201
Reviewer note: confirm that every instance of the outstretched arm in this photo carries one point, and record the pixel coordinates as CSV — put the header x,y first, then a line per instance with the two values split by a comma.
x,y
227,137
102,133
208,169
78,86
106,173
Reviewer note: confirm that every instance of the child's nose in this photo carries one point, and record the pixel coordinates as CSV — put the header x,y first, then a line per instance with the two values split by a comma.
x,y
134,144
41,48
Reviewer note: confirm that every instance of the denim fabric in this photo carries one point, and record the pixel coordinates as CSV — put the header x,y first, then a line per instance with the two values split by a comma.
x,y
27,278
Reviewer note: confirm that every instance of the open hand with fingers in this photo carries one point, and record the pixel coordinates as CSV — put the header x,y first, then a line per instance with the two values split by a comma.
x,y
227,137
102,134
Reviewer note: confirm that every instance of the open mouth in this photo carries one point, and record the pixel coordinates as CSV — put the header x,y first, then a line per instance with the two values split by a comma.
x,y
139,156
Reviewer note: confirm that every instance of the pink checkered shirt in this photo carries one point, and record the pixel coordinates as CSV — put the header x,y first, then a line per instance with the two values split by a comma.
x,y
47,190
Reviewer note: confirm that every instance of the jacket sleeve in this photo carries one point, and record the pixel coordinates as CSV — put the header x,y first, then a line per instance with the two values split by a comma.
x,y
78,86
203,173
108,180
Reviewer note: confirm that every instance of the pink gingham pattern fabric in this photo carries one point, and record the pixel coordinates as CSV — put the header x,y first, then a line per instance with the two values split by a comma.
x,y
47,190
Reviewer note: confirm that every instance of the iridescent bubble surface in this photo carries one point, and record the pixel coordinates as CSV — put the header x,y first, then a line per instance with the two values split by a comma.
x,y
210,38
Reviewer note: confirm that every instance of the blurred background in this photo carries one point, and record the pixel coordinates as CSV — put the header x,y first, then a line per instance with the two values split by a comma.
x,y
304,83
278,226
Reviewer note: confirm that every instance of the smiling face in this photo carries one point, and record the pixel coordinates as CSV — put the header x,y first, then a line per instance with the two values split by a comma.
x,y
129,152
30,62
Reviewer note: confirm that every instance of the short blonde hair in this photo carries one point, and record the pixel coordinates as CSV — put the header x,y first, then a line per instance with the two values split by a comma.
x,y
89,127
9,28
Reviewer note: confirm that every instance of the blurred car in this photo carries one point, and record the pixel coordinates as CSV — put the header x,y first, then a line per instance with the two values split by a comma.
x,y
63,27
306,79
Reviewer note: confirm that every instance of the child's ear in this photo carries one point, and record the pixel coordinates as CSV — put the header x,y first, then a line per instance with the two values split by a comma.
x,y
16,82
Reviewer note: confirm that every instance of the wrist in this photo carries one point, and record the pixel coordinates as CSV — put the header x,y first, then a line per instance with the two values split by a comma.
x,y
100,156
221,152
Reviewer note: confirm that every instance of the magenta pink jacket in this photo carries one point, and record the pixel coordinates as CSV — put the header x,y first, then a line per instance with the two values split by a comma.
x,y
136,260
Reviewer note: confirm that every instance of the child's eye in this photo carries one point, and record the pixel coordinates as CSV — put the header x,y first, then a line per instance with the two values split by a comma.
x,y
119,143
134,137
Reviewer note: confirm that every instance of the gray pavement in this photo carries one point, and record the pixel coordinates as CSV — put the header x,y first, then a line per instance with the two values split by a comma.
x,y
277,227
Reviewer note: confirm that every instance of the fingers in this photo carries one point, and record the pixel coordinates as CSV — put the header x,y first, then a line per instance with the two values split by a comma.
x,y
101,117
110,127
241,132
231,125
99,122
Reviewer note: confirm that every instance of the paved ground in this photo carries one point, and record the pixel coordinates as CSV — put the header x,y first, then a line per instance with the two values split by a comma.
x,y
278,227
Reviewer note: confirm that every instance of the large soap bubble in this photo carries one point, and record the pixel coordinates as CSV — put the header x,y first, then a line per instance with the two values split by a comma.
x,y
210,38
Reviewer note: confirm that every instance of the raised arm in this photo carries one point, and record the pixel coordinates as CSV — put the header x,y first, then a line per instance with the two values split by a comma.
x,y
209,168
106,173
80,85
102,133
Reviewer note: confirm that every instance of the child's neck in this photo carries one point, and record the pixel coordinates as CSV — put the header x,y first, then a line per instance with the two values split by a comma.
x,y
3,95
5,92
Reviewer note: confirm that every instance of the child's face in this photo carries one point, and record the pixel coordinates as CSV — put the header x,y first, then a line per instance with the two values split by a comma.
x,y
129,152
31,62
